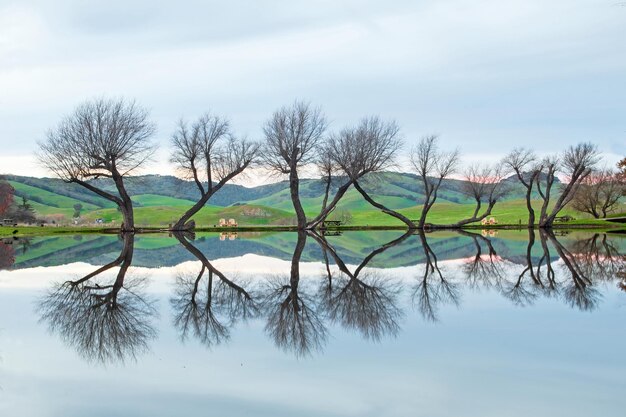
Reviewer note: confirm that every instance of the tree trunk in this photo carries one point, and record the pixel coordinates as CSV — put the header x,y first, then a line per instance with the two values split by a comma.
x,y
384,209
295,260
330,207
294,185
529,207
428,193
564,198
127,204
473,219
425,209
182,223
127,253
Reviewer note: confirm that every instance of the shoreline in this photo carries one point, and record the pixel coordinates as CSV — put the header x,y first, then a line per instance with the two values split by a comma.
x,y
25,231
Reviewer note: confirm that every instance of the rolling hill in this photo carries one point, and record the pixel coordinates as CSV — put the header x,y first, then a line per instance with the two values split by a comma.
x,y
160,200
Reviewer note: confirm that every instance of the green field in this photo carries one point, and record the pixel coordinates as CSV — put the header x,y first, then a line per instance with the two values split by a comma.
x,y
207,217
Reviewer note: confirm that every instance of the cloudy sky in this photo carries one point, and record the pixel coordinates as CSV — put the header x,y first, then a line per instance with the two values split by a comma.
x,y
485,75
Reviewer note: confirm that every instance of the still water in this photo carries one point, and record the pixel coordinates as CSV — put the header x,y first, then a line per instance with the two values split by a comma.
x,y
286,324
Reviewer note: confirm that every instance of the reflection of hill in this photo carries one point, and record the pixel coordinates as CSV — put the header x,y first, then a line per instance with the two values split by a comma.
x,y
162,250
210,245
65,249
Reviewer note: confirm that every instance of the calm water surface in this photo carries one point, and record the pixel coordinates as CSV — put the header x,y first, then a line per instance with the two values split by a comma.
x,y
287,324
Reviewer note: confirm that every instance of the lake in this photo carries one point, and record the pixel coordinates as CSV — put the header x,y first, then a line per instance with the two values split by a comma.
x,y
363,323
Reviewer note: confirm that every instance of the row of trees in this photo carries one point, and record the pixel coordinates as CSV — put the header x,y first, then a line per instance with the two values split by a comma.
x,y
112,138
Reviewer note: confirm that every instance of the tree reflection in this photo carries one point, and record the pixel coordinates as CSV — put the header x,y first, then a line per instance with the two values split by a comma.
x,y
293,320
523,291
483,270
208,304
433,289
105,322
598,257
7,253
578,291
364,300
539,276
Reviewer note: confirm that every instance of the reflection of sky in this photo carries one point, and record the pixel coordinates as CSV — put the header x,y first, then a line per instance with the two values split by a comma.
x,y
485,358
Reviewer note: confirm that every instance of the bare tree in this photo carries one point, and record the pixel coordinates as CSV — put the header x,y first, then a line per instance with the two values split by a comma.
x,y
102,138
523,162
599,194
209,154
575,163
293,138
369,147
483,184
432,166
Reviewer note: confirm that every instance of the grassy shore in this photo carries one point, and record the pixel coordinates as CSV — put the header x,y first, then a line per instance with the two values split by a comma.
x,y
509,214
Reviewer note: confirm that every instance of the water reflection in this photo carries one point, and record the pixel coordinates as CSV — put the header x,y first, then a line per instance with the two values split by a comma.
x,y
363,300
294,320
7,253
206,307
579,291
432,289
10,248
483,270
105,321
111,320
539,276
